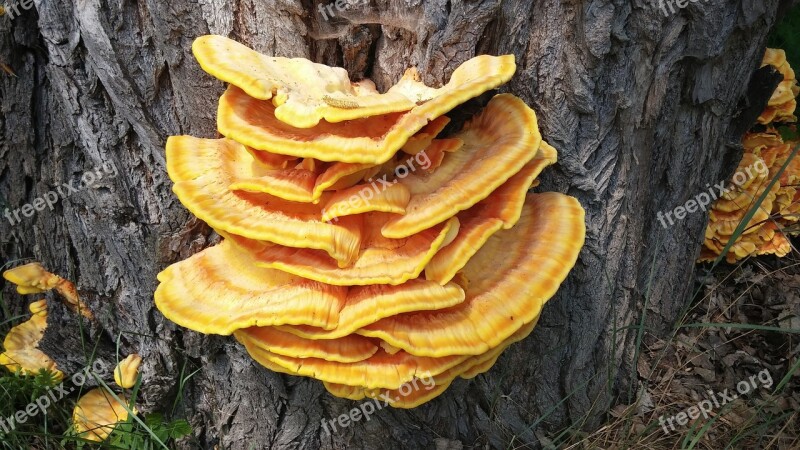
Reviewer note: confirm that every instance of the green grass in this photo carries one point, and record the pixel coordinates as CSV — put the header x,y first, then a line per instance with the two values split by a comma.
x,y
18,391
52,428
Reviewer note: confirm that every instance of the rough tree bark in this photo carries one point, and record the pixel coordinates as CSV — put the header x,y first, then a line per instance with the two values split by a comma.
x,y
644,109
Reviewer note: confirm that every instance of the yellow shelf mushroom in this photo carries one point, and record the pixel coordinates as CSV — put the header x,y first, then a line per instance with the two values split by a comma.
x,y
34,279
22,345
97,413
782,104
127,371
775,219
356,237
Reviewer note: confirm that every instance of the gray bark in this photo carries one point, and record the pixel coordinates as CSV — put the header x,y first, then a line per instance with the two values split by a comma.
x,y
645,110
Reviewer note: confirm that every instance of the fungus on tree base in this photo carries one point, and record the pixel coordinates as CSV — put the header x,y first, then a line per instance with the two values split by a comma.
x,y
127,371
32,278
380,260
356,238
21,345
97,413
766,232
782,104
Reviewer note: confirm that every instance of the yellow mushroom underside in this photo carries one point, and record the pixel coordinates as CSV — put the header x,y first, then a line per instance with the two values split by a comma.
x,y
380,260
203,170
360,248
96,415
528,261
371,139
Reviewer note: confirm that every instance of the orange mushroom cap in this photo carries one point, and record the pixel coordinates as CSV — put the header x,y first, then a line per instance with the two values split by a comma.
x,y
271,160
528,261
371,139
346,349
777,243
383,190
369,304
497,144
380,260
203,171
500,210
367,198
293,184
220,290
34,279
425,136
127,371
380,371
304,93
22,345
426,386
782,103
96,415
299,184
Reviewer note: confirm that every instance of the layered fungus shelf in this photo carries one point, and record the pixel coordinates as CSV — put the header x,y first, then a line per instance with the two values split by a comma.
x,y
361,247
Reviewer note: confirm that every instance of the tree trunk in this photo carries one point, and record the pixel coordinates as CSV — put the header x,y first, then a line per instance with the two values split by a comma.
x,y
644,108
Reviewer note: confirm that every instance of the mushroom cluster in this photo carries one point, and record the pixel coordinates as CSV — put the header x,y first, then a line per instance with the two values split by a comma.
x,y
782,104
21,345
360,247
765,153
97,412
32,278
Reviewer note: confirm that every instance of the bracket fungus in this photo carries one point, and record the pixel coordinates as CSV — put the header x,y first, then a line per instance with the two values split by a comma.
x,y
782,104
777,216
127,371
21,345
34,279
97,413
360,246
767,230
